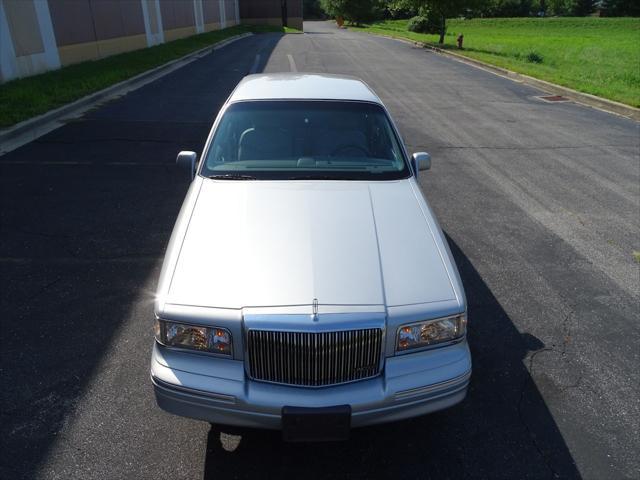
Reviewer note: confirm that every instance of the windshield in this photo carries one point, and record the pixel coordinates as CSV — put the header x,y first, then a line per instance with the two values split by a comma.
x,y
298,140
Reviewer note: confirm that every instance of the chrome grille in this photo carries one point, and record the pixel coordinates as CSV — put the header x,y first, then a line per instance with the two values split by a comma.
x,y
314,359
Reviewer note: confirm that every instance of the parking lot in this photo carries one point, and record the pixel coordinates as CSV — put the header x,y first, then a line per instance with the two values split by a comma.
x,y
540,203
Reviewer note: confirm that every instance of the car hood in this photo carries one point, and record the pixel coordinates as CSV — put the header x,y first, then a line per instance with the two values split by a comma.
x,y
266,243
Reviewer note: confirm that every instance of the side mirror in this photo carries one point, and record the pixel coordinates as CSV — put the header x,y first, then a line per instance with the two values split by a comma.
x,y
421,161
187,161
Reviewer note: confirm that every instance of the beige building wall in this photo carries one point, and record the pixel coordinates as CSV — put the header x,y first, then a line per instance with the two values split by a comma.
x,y
27,42
23,26
81,52
208,27
178,19
40,35
230,13
211,15
152,22
176,33
92,29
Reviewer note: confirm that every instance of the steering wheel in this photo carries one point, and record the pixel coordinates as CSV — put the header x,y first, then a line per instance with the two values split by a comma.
x,y
342,148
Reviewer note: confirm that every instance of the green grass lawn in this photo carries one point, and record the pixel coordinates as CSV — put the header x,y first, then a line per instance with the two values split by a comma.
x,y
600,56
27,97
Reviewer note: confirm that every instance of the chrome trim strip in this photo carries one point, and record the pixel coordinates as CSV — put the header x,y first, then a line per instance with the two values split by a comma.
x,y
229,399
414,392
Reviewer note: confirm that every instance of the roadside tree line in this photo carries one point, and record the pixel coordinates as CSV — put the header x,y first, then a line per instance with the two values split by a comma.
x,y
429,16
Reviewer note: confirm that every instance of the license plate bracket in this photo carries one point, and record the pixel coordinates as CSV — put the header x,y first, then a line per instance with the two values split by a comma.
x,y
324,424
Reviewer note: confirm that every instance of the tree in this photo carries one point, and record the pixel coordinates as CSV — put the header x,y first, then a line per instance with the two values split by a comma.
x,y
559,7
354,11
444,9
621,8
401,8
574,8
507,8
582,8
312,9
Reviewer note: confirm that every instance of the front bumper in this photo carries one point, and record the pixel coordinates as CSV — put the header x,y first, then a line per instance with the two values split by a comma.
x,y
217,390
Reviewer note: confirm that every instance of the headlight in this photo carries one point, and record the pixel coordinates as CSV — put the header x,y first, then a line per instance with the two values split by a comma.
x,y
193,337
431,332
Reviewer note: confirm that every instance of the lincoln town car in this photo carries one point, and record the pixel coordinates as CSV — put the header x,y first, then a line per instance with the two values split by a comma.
x,y
307,285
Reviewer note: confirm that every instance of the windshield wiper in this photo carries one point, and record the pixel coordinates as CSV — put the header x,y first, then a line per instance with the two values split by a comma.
x,y
313,177
232,176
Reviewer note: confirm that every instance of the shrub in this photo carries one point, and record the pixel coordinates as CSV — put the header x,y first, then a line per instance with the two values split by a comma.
x,y
417,24
424,24
531,57
353,11
534,57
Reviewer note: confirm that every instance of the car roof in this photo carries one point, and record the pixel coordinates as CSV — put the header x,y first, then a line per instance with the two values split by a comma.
x,y
302,86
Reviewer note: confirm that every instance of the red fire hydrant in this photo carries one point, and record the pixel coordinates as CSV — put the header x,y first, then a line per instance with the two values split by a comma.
x,y
460,40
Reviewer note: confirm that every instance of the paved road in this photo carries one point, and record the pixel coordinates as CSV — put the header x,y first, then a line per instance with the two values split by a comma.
x,y
540,203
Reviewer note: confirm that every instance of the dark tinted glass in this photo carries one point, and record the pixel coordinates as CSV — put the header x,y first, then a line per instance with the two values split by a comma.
x,y
305,139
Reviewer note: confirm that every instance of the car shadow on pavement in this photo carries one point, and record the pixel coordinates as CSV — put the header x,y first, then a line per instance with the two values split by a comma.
x,y
85,216
503,429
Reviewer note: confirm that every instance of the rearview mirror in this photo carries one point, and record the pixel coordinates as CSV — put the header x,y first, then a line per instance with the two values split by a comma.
x,y
421,161
187,161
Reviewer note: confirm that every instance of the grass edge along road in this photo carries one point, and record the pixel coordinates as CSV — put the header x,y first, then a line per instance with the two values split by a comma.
x,y
24,98
600,56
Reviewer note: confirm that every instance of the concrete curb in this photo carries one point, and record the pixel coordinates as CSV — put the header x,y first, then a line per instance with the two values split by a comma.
x,y
32,128
609,106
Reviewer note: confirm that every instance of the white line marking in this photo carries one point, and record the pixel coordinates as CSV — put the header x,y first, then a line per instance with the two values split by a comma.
x,y
256,62
292,63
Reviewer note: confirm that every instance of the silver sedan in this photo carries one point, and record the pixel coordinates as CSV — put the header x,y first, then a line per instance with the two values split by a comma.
x,y
307,285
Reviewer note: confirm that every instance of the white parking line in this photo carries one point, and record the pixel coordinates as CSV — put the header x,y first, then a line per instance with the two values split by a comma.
x,y
292,63
256,63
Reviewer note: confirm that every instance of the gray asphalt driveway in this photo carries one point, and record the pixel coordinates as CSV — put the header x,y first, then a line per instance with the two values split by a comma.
x,y
541,206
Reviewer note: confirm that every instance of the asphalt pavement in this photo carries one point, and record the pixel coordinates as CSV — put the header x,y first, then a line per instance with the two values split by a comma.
x,y
540,203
